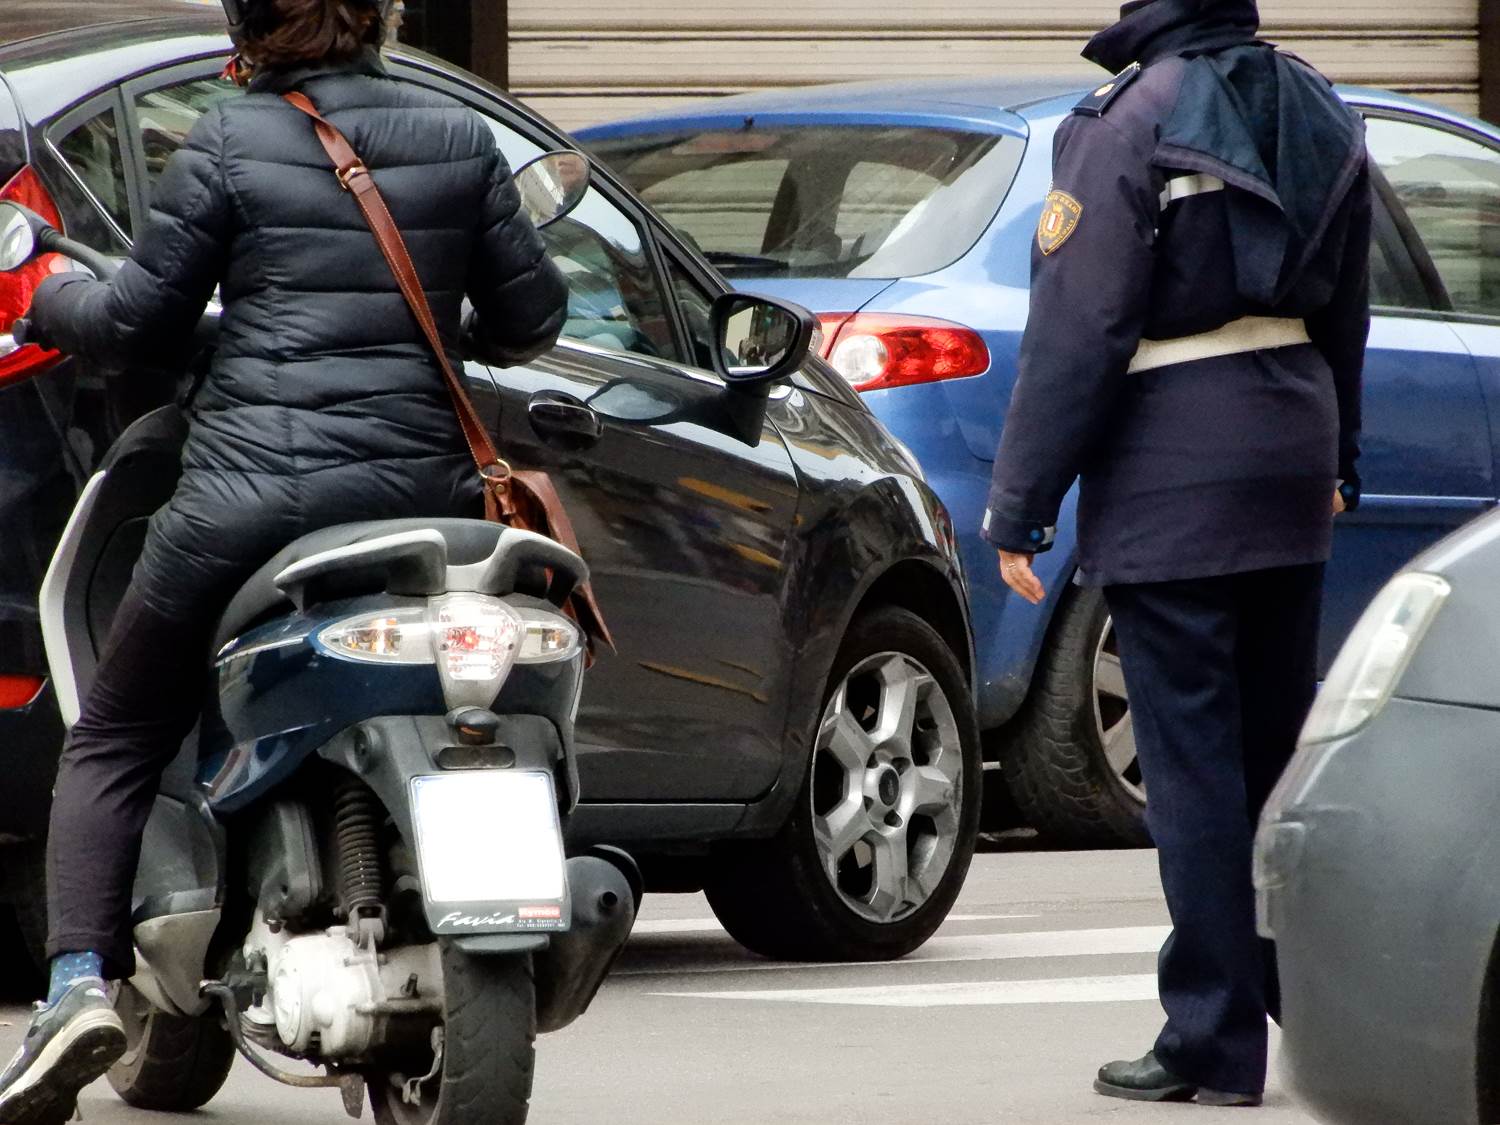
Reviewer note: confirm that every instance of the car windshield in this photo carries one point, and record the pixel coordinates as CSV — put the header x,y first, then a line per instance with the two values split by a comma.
x,y
823,200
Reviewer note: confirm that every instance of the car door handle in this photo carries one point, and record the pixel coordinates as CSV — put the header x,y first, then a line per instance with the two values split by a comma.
x,y
563,419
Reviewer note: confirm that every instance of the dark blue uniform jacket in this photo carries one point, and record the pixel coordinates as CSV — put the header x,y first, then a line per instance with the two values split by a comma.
x,y
1215,466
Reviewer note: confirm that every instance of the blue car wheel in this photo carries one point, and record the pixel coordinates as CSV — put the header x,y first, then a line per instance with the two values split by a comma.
x,y
1069,756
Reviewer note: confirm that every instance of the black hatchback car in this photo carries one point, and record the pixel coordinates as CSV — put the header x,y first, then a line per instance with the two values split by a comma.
x,y
787,721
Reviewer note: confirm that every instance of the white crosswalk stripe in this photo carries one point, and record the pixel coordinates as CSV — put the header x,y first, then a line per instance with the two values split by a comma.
x,y
973,947
669,926
1029,945
1065,990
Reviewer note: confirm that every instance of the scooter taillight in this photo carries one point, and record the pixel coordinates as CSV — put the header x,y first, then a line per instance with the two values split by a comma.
x,y
17,286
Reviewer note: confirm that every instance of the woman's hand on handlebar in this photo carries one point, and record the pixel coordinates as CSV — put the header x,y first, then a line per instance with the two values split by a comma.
x,y
24,331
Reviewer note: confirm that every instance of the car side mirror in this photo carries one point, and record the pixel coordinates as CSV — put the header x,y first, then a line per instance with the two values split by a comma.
x,y
758,340
552,185
20,236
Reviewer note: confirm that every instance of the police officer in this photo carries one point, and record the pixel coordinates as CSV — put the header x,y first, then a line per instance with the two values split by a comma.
x,y
1199,309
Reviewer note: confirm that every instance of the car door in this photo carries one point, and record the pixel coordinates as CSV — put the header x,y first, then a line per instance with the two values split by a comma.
x,y
1427,464
683,497
1446,181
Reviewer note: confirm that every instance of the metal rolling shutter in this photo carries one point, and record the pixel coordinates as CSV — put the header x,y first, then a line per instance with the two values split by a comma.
x,y
596,60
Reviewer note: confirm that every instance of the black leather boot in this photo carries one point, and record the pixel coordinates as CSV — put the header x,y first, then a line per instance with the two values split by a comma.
x,y
1146,1080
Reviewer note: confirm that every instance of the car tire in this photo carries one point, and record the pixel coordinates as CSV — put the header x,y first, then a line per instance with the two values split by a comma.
x,y
894,778
172,1064
23,919
1069,758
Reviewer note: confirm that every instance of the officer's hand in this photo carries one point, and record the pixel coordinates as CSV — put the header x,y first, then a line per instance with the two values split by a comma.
x,y
1018,575
1338,502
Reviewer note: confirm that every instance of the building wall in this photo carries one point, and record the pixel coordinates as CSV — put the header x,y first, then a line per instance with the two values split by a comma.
x,y
595,60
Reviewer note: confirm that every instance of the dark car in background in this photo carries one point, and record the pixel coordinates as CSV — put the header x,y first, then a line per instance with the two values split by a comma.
x,y
787,721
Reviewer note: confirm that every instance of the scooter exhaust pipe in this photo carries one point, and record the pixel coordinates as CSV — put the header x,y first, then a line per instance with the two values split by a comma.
x,y
605,887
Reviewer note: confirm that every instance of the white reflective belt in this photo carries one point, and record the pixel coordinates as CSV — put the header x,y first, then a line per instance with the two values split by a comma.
x,y
1248,334
1185,186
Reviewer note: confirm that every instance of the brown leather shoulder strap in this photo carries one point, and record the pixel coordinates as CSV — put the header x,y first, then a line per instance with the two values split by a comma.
x,y
507,495
355,178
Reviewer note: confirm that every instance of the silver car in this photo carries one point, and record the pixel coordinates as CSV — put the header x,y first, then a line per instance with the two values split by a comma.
x,y
1378,860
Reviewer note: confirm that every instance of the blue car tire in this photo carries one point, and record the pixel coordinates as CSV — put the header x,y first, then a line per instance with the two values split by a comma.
x,y
1054,752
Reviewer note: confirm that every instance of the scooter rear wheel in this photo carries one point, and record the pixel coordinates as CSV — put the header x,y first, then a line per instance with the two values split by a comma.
x,y
172,1064
489,1048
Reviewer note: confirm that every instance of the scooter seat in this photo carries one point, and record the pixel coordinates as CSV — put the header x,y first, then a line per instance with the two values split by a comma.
x,y
469,541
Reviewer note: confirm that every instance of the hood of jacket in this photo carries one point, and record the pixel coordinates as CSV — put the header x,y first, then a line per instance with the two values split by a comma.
x,y
1149,30
1268,125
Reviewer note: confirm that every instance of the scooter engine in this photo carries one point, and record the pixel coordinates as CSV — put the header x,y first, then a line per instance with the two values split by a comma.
x,y
330,997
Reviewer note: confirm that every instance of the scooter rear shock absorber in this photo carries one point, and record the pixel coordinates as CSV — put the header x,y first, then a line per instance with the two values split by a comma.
x,y
357,817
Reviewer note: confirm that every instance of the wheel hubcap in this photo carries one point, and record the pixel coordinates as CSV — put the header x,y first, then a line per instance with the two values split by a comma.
x,y
887,787
1112,718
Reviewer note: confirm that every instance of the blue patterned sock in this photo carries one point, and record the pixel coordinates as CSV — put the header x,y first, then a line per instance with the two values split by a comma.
x,y
70,968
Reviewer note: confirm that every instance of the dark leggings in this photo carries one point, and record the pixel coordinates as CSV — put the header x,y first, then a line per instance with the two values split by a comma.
x,y
144,700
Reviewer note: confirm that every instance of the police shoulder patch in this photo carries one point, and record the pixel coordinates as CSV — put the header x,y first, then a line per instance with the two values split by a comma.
x,y
1060,217
1097,102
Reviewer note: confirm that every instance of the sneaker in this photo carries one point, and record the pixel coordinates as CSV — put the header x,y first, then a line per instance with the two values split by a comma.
x,y
68,1045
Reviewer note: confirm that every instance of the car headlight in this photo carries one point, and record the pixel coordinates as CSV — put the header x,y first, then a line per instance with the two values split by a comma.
x,y
1363,677
475,640
1370,664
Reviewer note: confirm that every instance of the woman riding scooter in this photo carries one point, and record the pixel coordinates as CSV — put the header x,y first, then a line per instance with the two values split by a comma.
x,y
323,405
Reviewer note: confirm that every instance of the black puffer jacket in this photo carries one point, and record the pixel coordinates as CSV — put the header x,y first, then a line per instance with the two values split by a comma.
x,y
324,403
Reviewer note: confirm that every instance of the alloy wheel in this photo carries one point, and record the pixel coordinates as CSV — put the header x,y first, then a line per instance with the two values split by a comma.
x,y
887,787
1112,717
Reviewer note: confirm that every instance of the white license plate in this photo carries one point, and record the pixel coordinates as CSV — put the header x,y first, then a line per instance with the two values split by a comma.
x,y
490,837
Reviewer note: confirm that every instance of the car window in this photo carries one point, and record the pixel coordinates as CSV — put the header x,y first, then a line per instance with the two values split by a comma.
x,y
823,200
1449,186
92,150
615,298
166,115
1387,287
697,310
517,150
723,208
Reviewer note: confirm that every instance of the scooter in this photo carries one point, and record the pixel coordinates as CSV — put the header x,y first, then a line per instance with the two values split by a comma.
x,y
357,861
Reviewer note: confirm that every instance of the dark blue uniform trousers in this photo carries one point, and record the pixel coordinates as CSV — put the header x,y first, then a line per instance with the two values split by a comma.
x,y
1221,673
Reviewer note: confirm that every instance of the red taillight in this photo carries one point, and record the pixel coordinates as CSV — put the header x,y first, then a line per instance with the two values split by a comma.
x,y
17,286
19,691
879,350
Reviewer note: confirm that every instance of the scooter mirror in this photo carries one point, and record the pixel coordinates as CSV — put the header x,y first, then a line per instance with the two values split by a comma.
x,y
552,185
17,237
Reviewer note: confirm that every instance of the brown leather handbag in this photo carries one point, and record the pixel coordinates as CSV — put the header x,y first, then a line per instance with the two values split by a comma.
x,y
521,499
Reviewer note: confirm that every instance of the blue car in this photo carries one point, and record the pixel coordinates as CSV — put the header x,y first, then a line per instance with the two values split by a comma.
x,y
903,214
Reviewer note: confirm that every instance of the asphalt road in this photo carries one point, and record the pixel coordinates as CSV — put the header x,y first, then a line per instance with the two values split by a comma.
x,y
1043,972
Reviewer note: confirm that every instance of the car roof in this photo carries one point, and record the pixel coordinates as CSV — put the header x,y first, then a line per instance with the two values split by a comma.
x,y
44,75
36,19
992,101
